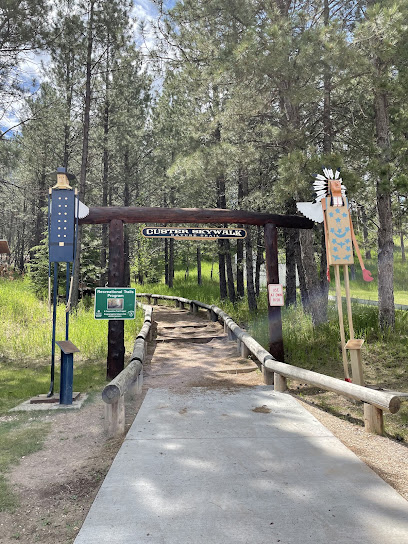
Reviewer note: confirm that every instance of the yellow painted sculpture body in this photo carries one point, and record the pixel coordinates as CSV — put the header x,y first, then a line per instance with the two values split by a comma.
x,y
331,207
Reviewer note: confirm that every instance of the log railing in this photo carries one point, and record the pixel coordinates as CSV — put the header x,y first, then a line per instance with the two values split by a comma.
x,y
276,372
129,380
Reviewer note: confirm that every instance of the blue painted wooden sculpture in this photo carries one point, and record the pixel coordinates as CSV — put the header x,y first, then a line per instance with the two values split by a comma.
x,y
64,210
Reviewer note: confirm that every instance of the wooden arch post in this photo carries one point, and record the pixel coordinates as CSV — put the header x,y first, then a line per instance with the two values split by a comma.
x,y
272,276
117,216
116,329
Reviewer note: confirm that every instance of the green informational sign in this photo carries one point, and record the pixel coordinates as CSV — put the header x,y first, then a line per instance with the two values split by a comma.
x,y
115,303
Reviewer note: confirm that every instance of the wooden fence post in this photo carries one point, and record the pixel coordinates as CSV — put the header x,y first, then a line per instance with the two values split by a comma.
x,y
280,384
115,417
373,419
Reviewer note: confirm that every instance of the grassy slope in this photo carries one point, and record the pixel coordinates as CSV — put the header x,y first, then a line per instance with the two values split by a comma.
x,y
25,344
25,348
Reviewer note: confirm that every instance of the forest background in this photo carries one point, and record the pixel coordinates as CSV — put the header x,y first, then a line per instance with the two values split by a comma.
x,y
215,103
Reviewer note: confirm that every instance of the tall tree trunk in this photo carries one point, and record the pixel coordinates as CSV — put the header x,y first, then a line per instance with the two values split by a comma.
x,y
249,261
221,270
105,177
199,280
166,261
327,85
259,259
363,217
401,232
221,203
230,273
240,245
240,268
249,258
324,284
69,89
403,258
126,202
290,244
304,293
385,232
171,262
317,306
85,143
40,204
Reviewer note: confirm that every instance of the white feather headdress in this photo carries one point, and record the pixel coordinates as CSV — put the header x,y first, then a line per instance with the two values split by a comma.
x,y
314,210
321,184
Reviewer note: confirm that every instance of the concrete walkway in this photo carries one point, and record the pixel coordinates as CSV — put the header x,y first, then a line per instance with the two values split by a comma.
x,y
244,465
213,459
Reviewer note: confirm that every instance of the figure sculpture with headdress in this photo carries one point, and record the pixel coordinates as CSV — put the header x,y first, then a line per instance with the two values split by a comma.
x,y
331,207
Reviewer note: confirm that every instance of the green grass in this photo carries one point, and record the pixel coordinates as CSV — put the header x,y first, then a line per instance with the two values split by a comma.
x,y
25,353
25,344
369,290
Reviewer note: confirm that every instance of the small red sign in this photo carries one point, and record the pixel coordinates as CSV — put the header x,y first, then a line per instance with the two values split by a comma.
x,y
275,294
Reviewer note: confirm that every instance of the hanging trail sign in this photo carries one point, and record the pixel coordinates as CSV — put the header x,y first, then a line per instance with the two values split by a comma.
x,y
194,233
115,303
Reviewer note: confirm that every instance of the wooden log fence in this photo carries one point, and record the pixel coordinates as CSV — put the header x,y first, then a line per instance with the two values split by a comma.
x,y
130,380
276,373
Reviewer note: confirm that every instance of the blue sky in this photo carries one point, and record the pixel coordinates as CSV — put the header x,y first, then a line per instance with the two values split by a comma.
x,y
30,68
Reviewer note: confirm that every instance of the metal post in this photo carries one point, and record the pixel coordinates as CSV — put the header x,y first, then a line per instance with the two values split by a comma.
x,y
67,377
116,340
54,323
68,281
272,276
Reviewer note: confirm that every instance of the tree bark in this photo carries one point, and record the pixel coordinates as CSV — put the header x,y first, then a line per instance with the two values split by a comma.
x,y
221,270
240,268
363,216
250,272
166,261
304,294
230,273
317,306
386,307
403,258
85,145
259,259
105,175
240,244
327,85
221,203
290,244
199,279
171,262
324,284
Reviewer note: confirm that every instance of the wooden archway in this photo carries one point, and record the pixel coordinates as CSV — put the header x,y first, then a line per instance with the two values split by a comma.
x,y
117,216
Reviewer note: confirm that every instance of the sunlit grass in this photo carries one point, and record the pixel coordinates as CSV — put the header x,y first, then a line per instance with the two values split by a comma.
x,y
25,344
369,290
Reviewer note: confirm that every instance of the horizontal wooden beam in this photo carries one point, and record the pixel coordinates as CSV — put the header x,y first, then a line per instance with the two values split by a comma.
x,y
192,215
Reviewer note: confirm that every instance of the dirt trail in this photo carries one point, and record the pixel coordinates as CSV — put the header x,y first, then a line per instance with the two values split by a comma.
x,y
189,351
56,486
